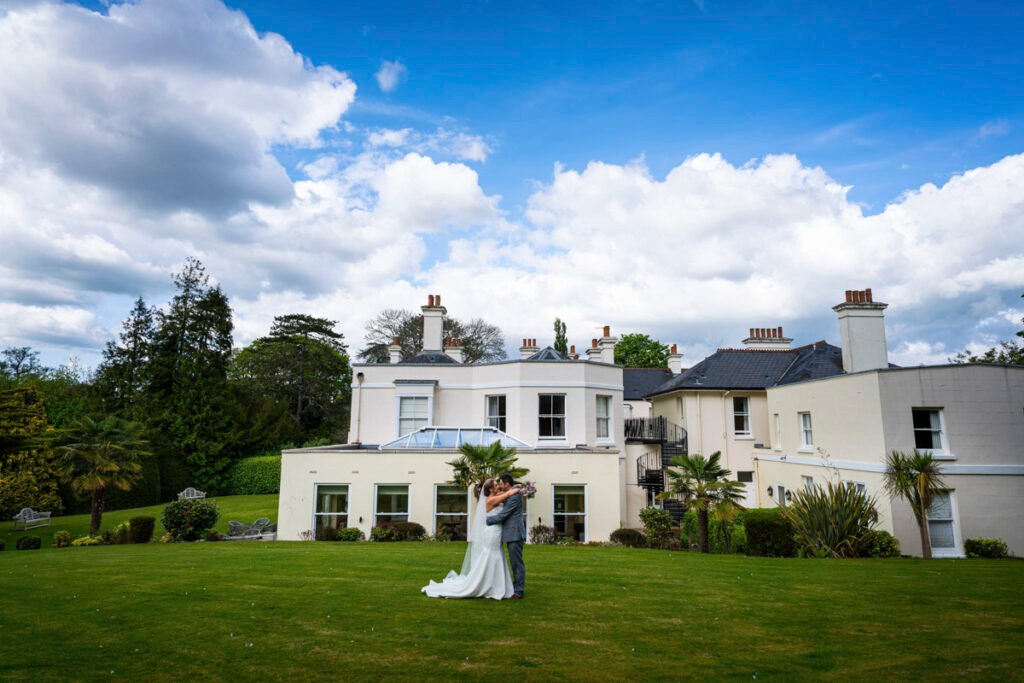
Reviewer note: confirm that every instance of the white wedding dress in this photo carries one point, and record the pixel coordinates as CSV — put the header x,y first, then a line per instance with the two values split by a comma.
x,y
484,572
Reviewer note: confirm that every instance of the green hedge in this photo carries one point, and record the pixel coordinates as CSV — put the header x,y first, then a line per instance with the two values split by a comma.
x,y
992,548
255,475
735,542
769,534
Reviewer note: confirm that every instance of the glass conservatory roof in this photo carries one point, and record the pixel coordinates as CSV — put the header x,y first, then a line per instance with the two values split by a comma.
x,y
453,437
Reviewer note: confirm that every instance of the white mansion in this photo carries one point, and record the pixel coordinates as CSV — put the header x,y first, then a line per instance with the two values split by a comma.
x,y
596,437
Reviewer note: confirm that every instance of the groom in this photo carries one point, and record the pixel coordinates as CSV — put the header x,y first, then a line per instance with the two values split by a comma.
x,y
513,534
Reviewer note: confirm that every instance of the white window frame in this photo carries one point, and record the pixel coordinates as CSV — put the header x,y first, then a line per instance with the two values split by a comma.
x,y
807,481
564,415
502,417
942,453
805,445
316,498
780,494
859,485
408,498
954,518
586,508
748,433
469,503
398,410
598,418
778,432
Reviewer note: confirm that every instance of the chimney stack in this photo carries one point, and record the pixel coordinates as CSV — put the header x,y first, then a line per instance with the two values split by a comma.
x,y
395,351
528,348
433,323
594,352
762,338
607,345
454,350
675,360
862,331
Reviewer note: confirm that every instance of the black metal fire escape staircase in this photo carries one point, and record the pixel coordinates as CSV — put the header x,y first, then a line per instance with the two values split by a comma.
x,y
650,468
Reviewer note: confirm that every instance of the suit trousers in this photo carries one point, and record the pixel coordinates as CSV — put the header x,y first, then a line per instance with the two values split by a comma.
x,y
515,558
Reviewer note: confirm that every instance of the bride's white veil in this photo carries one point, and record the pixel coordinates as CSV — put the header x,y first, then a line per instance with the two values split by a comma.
x,y
477,526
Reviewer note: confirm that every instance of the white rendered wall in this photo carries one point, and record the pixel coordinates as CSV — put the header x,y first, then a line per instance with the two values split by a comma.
x,y
361,470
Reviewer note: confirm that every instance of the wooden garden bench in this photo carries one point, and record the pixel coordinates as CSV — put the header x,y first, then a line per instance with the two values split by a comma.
x,y
191,494
30,519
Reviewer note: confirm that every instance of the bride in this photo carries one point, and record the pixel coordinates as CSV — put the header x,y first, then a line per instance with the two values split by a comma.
x,y
484,572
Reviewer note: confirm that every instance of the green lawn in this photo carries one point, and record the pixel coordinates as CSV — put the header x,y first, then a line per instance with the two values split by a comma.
x,y
343,611
236,508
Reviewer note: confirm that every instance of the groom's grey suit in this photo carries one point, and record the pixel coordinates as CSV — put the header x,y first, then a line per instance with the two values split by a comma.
x,y
513,535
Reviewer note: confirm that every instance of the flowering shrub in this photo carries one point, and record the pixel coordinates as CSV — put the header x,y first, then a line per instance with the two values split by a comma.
x,y
189,520
529,489
61,539
86,540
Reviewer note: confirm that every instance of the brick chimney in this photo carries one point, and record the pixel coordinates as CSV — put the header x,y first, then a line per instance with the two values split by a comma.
x,y
594,352
862,331
395,351
607,345
454,350
675,360
767,338
572,353
433,323
528,348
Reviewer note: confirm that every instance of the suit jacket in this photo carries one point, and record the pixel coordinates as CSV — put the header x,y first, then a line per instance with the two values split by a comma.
x,y
511,519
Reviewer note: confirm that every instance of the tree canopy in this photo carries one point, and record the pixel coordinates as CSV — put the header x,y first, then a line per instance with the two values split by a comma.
x,y
481,341
640,351
1009,352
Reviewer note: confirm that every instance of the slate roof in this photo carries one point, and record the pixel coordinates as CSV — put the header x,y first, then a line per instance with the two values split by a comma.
x,y
429,358
549,353
639,382
758,369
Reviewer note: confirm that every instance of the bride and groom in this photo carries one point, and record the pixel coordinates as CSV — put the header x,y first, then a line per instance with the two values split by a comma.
x,y
499,519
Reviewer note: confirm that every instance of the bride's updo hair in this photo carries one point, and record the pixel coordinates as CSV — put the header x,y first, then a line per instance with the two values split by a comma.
x,y
488,487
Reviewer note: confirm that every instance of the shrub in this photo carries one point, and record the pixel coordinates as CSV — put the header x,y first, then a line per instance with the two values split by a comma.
x,y
86,540
829,520
116,536
140,529
215,536
878,543
29,543
992,548
189,520
769,534
349,534
543,535
386,534
61,539
728,536
658,524
255,475
410,531
631,538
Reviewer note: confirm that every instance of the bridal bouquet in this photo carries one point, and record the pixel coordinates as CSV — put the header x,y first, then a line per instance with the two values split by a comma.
x,y
529,489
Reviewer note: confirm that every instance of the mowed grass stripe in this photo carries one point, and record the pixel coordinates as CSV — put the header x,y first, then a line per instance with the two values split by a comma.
x,y
220,611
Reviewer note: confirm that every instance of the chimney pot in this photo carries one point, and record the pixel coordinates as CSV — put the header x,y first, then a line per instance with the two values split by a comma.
x,y
607,330
593,343
430,300
868,293
572,349
437,299
675,349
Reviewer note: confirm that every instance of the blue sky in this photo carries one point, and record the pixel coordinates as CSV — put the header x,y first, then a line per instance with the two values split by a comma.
x,y
687,169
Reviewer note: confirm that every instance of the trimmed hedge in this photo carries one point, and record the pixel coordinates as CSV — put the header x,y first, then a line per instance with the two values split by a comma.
x,y
631,538
992,548
769,534
29,543
140,529
256,475
878,543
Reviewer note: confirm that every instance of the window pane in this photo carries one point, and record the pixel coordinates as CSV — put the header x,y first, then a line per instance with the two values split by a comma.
x,y
557,426
558,405
739,404
570,499
745,477
573,526
451,499
446,438
941,534
923,439
332,499
545,404
454,525
922,419
333,522
393,499
740,423
603,403
941,507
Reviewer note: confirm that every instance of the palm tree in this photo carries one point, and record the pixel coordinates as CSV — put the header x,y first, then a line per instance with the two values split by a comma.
x,y
480,463
97,455
702,484
916,478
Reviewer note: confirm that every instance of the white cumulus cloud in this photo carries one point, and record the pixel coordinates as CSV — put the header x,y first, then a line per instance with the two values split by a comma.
x,y
390,74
